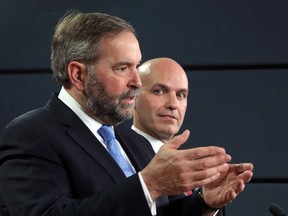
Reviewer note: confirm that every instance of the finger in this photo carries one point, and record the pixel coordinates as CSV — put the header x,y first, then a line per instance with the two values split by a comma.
x,y
211,162
178,140
239,185
242,167
246,176
240,188
231,195
205,175
203,152
202,182
244,171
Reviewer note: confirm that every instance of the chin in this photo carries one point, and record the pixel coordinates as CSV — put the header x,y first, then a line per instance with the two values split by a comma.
x,y
169,133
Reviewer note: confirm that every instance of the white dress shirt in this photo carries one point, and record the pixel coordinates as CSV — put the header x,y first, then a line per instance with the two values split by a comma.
x,y
156,144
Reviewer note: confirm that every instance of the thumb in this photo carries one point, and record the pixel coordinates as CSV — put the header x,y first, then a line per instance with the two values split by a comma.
x,y
178,140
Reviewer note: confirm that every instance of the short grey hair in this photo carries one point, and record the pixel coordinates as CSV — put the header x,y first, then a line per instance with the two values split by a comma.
x,y
77,37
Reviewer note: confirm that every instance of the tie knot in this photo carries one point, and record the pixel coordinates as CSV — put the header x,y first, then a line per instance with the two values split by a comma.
x,y
106,133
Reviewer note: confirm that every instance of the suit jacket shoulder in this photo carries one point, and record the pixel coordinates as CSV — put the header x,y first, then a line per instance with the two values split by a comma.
x,y
51,164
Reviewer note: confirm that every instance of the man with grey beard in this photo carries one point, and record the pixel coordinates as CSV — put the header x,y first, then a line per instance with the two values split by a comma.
x,y
63,159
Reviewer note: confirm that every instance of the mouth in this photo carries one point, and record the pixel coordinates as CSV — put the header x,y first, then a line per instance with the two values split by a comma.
x,y
168,117
129,100
129,97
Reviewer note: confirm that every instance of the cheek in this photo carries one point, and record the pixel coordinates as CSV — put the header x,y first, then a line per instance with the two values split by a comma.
x,y
149,105
114,87
152,106
182,113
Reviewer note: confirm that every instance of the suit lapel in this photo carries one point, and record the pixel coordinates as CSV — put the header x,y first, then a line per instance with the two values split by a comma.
x,y
138,149
83,137
87,141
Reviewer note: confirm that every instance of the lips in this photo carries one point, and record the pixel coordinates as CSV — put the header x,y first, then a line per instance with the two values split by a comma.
x,y
129,100
168,116
129,97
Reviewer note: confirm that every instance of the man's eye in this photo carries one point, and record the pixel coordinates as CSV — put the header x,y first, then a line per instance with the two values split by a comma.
x,y
122,69
181,95
158,91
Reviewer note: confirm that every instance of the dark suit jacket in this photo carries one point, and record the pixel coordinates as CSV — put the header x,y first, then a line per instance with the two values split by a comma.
x,y
51,164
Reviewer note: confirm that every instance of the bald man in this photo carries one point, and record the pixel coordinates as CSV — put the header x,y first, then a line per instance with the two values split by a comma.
x,y
161,105
159,113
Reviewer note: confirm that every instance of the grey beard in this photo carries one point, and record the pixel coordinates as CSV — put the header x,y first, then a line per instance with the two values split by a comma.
x,y
109,110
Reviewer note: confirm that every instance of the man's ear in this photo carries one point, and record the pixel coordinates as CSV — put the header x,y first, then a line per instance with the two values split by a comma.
x,y
77,74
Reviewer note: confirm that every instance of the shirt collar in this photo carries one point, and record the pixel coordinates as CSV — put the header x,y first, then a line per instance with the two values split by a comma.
x,y
91,123
156,144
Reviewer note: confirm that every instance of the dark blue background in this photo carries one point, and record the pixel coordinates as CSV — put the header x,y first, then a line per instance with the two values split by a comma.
x,y
234,53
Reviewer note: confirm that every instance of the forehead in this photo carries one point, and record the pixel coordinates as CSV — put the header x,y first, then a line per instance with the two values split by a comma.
x,y
170,76
121,45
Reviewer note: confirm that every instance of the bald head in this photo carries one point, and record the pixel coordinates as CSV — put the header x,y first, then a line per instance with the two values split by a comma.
x,y
161,105
163,66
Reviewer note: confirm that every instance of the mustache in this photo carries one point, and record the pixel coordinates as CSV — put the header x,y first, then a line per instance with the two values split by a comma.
x,y
129,94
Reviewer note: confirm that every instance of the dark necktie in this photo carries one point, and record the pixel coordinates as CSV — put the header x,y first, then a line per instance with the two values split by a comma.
x,y
112,144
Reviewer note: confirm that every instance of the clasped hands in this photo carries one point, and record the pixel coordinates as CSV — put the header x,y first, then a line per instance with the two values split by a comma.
x,y
174,171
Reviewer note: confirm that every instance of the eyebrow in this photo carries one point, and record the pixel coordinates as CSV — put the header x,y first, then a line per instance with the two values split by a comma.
x,y
121,63
167,87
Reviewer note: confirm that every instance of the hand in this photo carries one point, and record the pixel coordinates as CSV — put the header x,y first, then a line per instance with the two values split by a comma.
x,y
225,189
173,171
